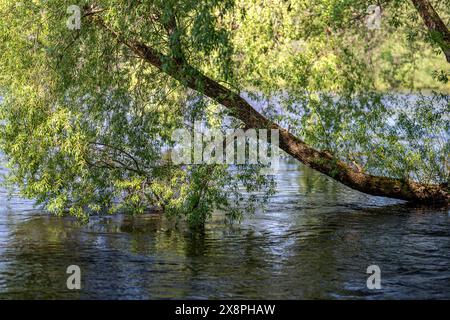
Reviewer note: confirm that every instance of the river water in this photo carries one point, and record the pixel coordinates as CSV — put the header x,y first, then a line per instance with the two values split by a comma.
x,y
315,240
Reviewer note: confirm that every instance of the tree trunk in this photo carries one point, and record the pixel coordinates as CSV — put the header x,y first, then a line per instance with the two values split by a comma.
x,y
318,160
434,24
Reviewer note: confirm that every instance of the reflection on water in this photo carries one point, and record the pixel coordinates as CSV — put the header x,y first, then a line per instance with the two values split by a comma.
x,y
316,240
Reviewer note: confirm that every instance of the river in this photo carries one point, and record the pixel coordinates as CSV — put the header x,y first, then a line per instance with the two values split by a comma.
x,y
315,240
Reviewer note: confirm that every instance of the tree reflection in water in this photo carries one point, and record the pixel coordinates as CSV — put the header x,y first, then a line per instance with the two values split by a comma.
x,y
315,241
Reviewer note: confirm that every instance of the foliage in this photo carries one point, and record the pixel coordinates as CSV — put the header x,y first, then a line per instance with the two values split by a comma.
x,y
86,125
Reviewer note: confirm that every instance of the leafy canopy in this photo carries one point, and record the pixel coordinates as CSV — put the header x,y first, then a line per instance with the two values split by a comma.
x,y
86,125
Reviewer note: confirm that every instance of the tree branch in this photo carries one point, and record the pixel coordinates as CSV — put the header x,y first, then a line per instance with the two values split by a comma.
x,y
321,161
435,25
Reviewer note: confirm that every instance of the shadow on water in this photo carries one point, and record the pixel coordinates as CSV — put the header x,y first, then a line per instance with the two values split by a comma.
x,y
316,240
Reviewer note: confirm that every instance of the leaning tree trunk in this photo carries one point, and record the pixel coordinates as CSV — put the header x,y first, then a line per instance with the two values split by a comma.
x,y
434,24
320,161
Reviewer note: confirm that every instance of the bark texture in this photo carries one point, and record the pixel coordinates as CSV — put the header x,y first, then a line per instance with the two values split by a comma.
x,y
434,24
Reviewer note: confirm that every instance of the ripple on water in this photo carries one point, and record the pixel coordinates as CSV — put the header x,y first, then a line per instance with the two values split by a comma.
x,y
315,240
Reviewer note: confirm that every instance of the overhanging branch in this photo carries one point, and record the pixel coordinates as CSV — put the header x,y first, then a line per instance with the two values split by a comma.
x,y
241,109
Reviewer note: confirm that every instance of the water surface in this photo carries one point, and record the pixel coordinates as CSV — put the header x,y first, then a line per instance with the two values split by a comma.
x,y
316,240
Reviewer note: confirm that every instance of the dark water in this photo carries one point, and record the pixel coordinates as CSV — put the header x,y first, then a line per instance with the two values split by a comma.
x,y
315,241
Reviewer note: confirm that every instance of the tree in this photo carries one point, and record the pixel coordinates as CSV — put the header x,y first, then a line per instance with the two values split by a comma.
x,y
88,113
